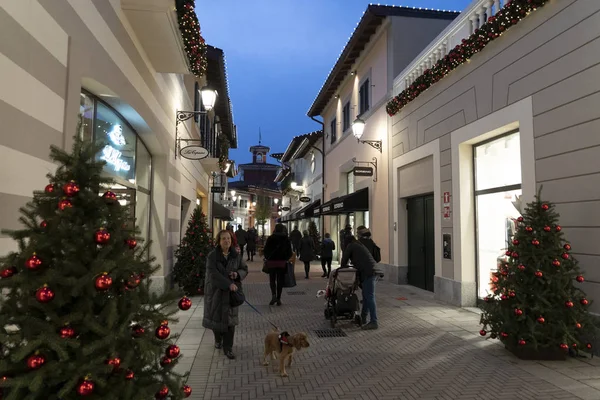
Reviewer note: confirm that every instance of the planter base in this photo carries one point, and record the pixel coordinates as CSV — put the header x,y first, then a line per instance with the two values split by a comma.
x,y
541,354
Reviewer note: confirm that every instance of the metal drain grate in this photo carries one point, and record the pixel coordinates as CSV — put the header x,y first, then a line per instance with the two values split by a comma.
x,y
330,333
296,293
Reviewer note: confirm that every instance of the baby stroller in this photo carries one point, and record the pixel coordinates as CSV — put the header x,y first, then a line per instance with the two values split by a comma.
x,y
342,301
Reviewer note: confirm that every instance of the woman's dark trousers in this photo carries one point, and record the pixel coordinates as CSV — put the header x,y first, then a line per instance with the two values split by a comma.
x,y
276,278
306,268
326,262
226,338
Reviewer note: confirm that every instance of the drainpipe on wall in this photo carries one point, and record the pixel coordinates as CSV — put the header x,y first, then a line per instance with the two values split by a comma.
x,y
322,123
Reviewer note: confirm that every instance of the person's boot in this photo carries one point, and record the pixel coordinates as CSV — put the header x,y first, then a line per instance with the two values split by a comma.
x,y
370,326
229,354
363,319
218,345
273,300
279,301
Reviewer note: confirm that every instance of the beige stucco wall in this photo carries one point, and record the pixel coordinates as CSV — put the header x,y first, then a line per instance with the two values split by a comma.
x,y
542,77
49,51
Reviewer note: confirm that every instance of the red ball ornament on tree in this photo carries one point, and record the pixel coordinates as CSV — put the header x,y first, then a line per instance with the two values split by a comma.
x,y
166,361
512,294
522,342
482,332
528,229
567,247
547,228
584,302
504,297
109,197
173,351
515,242
185,304
49,188
102,236
541,320
66,332
8,272
521,267
539,274
103,282
43,224
558,228
138,331
115,362
580,278
36,361
85,388
33,263
588,346
504,334
162,393
535,242
64,203
163,332
187,391
133,281
520,219
44,294
131,243
556,263
70,189
545,207
569,304
508,253
515,254
564,346
565,256
129,375
518,311
578,325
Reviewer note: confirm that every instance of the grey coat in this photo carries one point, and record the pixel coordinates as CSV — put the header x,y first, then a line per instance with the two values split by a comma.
x,y
218,314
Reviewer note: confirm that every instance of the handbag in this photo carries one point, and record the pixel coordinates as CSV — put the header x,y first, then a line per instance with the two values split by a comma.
x,y
237,298
289,280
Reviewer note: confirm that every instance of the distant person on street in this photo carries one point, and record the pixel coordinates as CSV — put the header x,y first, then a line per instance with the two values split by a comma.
x,y
234,242
296,238
327,248
306,251
279,250
345,237
225,271
365,264
251,238
240,236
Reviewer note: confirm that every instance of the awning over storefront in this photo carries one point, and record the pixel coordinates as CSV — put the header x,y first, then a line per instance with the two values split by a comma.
x,y
308,211
220,212
357,201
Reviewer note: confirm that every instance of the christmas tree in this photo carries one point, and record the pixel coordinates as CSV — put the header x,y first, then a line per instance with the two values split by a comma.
x,y
190,267
313,232
79,318
536,306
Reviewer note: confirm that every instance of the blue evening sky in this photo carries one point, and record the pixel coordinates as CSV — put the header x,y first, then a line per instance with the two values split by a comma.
x,y
279,53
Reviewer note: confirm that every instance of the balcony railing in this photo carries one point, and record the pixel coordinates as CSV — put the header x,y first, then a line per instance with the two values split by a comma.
x,y
474,16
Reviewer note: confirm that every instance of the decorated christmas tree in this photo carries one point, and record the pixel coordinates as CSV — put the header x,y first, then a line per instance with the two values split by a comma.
x,y
78,318
190,267
536,307
313,232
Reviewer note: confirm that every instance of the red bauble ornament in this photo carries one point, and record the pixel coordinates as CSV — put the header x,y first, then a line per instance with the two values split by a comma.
x,y
165,361
556,263
567,247
564,346
185,304
504,297
49,188
522,342
187,391
521,267
129,375
43,224
131,243
528,229
66,332
163,332
504,272
539,274
547,228
569,304
33,262
138,331
109,197
173,351
515,254
541,320
85,388
545,207
512,294
508,253
565,256
584,302
535,242
589,346
133,281
115,362
103,282
162,393
520,219
574,345
515,242
482,332
580,279
558,228
578,325
44,294
101,236
8,272
70,189
64,203
36,361
495,279
504,334
518,311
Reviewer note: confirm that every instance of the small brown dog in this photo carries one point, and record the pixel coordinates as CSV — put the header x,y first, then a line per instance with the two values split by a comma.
x,y
283,345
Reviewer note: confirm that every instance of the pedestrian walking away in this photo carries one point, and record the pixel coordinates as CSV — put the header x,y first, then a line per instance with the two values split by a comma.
x,y
306,252
277,252
327,249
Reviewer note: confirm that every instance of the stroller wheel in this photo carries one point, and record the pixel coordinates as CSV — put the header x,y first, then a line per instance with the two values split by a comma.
x,y
327,313
333,320
358,320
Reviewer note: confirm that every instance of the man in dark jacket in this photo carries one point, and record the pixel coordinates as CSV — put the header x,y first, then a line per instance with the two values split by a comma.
x,y
327,248
364,262
345,237
364,236
241,236
251,238
296,238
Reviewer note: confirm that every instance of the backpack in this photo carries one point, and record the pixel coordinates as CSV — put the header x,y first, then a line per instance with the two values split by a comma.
x,y
376,252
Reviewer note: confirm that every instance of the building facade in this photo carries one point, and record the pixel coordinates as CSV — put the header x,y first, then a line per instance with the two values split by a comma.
x,y
386,39
114,71
470,151
301,181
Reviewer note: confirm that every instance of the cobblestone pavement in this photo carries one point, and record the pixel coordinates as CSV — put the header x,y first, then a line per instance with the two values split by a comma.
x,y
423,350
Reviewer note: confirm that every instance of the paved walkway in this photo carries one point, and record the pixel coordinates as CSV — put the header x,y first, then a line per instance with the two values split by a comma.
x,y
423,350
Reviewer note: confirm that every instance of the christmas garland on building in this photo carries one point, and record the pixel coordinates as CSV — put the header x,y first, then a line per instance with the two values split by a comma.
x,y
510,15
223,151
195,45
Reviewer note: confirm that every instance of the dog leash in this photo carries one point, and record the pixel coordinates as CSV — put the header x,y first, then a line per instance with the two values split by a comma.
x,y
261,314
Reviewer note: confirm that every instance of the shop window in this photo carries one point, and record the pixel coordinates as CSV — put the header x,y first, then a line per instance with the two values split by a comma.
x,y
333,130
143,167
497,167
86,117
346,117
363,97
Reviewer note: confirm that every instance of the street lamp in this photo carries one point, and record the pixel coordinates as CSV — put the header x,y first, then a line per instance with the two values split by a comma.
x,y
358,128
276,201
233,198
232,193
209,97
253,204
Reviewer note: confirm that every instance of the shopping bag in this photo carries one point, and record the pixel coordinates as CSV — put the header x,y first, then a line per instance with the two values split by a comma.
x,y
289,280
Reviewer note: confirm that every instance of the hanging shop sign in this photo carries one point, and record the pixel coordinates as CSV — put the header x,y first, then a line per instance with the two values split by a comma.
x,y
304,199
194,152
363,171
217,189
286,208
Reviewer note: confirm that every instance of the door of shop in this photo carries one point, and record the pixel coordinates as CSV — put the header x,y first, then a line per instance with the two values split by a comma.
x,y
421,239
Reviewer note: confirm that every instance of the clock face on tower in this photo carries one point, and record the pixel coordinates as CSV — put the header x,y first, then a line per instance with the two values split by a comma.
x,y
312,163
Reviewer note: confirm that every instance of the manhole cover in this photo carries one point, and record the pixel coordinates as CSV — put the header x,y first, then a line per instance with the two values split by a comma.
x,y
330,333
296,293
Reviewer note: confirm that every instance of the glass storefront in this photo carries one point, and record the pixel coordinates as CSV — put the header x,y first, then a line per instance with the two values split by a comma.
x,y
497,186
128,161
